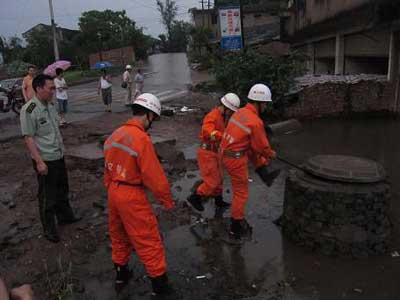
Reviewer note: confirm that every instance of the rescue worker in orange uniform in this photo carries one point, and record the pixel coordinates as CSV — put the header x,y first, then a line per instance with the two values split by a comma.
x,y
131,165
245,138
207,156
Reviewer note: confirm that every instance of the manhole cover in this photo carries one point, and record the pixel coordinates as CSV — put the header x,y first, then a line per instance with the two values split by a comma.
x,y
345,168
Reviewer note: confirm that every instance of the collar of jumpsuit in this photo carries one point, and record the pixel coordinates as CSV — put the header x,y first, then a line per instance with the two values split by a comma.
x,y
252,107
135,123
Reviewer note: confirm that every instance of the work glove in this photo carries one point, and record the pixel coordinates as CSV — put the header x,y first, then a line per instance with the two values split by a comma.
x,y
267,175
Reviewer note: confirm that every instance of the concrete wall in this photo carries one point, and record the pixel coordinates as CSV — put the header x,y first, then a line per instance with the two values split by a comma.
x,y
368,44
366,65
258,19
339,99
309,12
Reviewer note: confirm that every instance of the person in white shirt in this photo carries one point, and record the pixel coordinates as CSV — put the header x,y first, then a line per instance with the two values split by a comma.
x,y
139,80
104,86
127,79
61,95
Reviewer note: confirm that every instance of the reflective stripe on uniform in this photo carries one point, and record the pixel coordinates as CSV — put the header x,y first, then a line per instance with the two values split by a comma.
x,y
240,125
121,147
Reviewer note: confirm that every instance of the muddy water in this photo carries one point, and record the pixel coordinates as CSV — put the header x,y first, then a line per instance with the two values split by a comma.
x,y
269,266
377,139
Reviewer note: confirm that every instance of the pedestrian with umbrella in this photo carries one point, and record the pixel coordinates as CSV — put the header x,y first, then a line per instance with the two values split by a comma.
x,y
61,95
104,87
56,70
59,64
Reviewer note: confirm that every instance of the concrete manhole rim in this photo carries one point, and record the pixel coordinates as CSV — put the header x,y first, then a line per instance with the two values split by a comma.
x,y
345,168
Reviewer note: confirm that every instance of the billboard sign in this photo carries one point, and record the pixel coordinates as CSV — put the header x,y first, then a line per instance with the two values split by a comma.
x,y
231,30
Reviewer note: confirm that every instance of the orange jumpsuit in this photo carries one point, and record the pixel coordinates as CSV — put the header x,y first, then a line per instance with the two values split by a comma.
x,y
130,165
207,155
244,136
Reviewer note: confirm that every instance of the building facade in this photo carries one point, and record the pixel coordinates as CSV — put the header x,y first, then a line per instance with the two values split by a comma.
x,y
345,37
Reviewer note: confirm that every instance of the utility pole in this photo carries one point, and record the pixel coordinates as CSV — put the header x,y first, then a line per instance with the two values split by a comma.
x,y
208,14
53,27
241,22
202,12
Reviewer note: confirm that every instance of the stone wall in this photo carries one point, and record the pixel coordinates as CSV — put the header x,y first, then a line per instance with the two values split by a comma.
x,y
334,218
341,98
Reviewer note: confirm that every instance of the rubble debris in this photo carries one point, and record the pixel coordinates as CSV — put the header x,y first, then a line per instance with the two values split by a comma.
x,y
311,80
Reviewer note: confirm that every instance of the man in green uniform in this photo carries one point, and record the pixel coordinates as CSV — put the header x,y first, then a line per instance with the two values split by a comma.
x,y
39,125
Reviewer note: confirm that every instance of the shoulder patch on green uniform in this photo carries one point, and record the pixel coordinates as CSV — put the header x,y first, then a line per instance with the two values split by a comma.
x,y
30,108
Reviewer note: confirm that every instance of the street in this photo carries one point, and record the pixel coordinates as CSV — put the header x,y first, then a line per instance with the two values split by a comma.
x,y
168,79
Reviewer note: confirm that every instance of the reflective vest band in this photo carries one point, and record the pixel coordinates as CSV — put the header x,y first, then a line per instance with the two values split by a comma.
x,y
240,125
121,147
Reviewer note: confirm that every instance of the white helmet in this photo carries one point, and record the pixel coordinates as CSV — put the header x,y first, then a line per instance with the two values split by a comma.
x,y
260,92
128,67
150,102
231,101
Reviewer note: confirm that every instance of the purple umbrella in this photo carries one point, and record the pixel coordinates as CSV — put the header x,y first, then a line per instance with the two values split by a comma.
x,y
62,64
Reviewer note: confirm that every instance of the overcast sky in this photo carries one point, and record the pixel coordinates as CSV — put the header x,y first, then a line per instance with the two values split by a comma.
x,y
17,16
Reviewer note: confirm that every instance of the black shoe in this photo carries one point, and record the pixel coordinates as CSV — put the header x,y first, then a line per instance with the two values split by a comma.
x,y
267,176
219,202
124,274
160,285
236,229
52,236
71,220
195,201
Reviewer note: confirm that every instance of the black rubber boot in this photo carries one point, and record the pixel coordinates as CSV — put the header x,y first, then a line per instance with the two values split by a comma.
x,y
195,201
160,285
219,202
236,229
267,176
66,215
50,228
124,274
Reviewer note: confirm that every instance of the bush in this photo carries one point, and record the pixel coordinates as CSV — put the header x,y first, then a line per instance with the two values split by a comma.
x,y
17,68
238,71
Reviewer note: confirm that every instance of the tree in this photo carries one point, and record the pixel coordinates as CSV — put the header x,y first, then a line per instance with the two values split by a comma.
x,y
238,71
104,30
164,42
179,38
12,49
168,11
39,48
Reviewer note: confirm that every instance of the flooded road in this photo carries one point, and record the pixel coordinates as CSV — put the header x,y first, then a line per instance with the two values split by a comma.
x,y
375,139
269,266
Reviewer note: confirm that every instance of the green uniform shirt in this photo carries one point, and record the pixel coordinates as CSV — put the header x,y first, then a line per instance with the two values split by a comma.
x,y
41,122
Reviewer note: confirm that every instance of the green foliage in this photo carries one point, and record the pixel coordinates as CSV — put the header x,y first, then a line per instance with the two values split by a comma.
x,y
39,49
76,75
168,11
179,37
17,68
12,49
238,71
104,30
200,49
